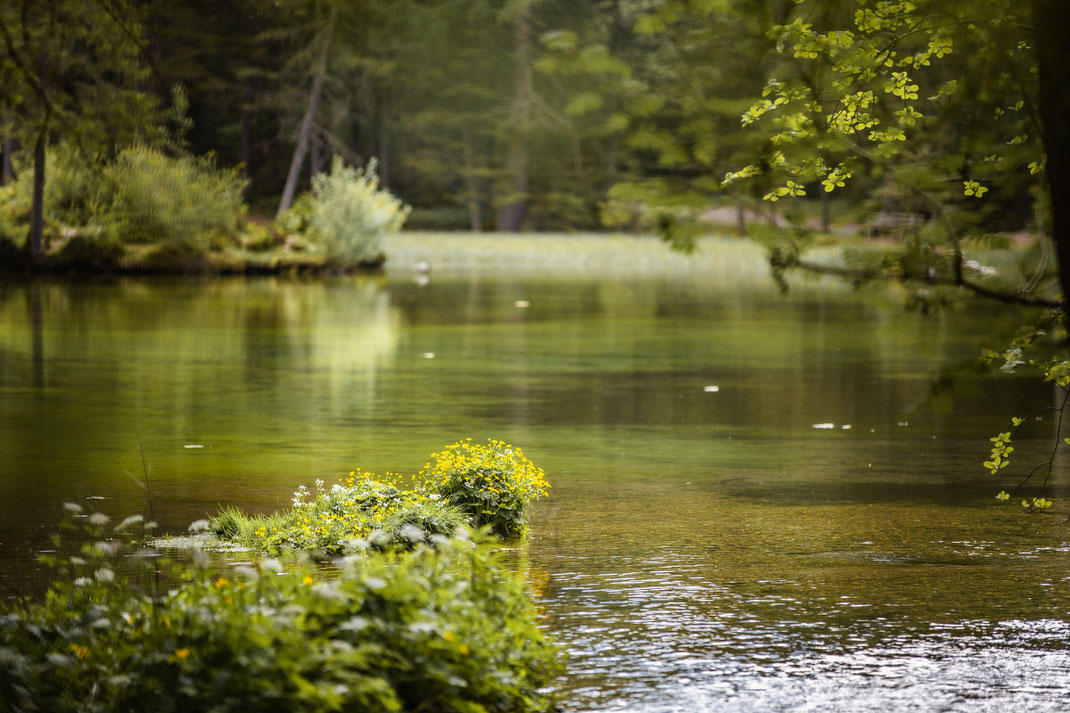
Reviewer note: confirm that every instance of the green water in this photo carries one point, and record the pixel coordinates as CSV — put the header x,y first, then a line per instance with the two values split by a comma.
x,y
702,549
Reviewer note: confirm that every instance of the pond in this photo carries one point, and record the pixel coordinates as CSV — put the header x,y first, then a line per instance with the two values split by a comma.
x,y
752,507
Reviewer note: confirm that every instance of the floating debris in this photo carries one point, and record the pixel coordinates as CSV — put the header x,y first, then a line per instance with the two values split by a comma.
x,y
902,423
711,389
522,304
824,426
428,355
846,427
193,445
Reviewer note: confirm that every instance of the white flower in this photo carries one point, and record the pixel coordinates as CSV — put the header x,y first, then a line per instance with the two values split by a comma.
x,y
270,564
132,520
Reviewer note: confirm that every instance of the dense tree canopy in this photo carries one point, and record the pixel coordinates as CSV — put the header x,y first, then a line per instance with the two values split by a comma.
x,y
929,121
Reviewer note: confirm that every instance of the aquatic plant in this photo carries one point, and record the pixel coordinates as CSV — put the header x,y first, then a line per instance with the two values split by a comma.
x,y
494,484
432,629
468,484
351,513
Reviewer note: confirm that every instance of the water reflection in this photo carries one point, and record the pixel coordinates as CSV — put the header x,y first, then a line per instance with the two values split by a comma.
x,y
251,370
702,550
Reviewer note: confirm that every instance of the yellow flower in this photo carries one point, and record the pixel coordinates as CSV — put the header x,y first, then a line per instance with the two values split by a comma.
x,y
448,635
463,649
221,582
79,651
181,653
307,580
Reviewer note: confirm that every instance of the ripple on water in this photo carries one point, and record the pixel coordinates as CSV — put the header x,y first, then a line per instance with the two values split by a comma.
x,y
669,640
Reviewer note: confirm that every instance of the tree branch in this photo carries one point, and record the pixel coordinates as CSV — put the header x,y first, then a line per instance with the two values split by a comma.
x,y
868,275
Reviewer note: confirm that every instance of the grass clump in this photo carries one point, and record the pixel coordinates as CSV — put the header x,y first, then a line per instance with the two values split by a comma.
x,y
470,484
443,629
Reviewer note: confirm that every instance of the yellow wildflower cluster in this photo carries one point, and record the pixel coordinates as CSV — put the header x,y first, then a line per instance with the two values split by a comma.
x,y
482,484
493,482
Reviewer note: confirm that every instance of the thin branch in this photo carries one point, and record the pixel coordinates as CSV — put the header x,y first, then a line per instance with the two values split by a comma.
x,y
866,275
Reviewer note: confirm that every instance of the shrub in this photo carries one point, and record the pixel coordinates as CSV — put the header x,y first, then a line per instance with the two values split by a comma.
x,y
184,203
363,508
435,630
469,484
351,217
298,218
493,484
73,197
89,251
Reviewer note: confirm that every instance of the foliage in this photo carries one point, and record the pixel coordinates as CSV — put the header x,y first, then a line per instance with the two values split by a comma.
x,y
350,216
438,219
73,197
351,513
1055,369
443,629
493,483
141,195
874,92
71,70
183,202
469,484
297,218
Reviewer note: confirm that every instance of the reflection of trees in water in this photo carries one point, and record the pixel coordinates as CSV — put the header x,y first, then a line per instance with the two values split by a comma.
x,y
263,371
180,360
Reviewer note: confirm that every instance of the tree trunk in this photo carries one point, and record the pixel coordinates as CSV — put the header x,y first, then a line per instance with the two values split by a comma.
x,y
511,214
247,137
316,153
826,222
7,169
37,204
619,39
471,184
1050,18
383,139
304,134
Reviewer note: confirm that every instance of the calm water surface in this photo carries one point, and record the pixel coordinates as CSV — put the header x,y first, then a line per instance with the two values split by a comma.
x,y
702,549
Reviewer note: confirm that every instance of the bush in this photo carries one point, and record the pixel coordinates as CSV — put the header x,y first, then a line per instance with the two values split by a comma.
x,y
469,484
435,630
493,484
185,203
351,217
141,196
87,251
345,517
73,198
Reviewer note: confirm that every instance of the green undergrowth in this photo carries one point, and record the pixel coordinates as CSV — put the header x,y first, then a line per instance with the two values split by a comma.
x,y
465,484
362,510
433,629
